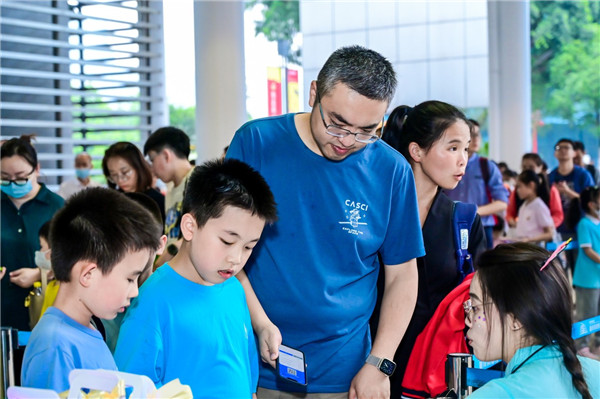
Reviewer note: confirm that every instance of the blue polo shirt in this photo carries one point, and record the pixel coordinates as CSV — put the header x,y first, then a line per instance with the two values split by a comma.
x,y
19,241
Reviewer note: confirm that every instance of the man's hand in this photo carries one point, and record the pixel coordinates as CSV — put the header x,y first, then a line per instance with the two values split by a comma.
x,y
564,189
369,383
25,276
269,339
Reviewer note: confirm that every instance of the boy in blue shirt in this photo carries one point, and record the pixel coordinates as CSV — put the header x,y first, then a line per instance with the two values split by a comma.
x,y
101,242
191,320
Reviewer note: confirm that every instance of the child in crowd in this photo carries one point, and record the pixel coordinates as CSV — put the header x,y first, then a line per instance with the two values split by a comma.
x,y
191,320
534,223
586,278
101,242
521,312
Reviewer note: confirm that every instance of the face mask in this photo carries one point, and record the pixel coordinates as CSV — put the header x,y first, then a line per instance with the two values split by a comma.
x,y
12,190
82,173
41,261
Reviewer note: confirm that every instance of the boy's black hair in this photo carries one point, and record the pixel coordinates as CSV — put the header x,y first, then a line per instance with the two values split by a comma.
x,y
565,140
169,137
149,204
44,231
578,145
217,184
99,225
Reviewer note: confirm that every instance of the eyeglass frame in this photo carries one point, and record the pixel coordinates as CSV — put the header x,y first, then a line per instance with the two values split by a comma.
x,y
559,147
18,182
470,309
125,176
372,137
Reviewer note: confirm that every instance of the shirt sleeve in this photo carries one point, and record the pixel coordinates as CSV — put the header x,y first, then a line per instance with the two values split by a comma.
x,y
544,219
583,234
556,209
139,347
48,369
497,189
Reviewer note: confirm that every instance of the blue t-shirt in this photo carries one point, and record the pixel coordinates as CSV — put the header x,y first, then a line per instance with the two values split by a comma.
x,y
200,334
59,344
587,272
472,188
315,270
542,376
577,180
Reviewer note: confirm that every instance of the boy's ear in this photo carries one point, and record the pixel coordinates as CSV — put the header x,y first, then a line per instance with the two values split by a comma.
x,y
312,98
85,272
163,244
188,226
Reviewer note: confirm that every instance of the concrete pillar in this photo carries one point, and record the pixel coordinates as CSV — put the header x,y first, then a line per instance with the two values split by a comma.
x,y
510,81
220,74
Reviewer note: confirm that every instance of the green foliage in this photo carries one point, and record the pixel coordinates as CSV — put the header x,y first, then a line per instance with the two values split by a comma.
x,y
565,55
183,118
281,22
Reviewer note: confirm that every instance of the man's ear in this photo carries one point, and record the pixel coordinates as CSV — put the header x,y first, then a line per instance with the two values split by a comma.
x,y
188,226
163,244
85,272
312,98
415,152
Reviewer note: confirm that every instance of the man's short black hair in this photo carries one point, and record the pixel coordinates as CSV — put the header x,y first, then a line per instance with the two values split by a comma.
x,y
44,231
169,137
579,146
217,184
565,140
99,225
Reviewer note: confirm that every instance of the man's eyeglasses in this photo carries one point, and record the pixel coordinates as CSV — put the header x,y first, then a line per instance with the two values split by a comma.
x,y
340,132
563,147
116,177
19,181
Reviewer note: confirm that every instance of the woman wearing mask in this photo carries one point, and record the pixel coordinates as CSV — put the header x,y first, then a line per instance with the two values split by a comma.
x,y
26,206
126,170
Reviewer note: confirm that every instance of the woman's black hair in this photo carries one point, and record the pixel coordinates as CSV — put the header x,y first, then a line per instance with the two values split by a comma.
x,y
541,184
541,301
133,156
424,124
22,147
581,205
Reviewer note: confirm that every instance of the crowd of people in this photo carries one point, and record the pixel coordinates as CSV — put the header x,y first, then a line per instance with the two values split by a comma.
x,y
330,232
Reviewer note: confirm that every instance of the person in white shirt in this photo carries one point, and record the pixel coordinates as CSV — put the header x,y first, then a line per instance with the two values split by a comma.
x,y
83,169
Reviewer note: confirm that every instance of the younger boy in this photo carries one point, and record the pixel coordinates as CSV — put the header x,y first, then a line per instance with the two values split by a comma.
x,y
168,149
191,320
101,241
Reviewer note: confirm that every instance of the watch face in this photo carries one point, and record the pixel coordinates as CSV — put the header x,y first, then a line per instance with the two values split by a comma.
x,y
387,367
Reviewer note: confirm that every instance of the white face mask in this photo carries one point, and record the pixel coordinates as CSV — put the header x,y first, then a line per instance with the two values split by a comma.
x,y
41,261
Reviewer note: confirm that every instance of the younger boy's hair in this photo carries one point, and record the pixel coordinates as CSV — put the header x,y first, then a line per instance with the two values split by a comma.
x,y
169,137
44,231
99,225
217,184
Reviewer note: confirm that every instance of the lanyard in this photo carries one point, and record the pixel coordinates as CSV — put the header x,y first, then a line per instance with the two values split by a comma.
x,y
528,357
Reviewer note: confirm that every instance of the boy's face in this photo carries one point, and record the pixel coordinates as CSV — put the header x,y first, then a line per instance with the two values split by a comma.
x,y
220,249
160,166
111,293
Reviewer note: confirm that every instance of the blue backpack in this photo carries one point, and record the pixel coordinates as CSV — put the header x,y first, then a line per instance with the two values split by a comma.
x,y
463,215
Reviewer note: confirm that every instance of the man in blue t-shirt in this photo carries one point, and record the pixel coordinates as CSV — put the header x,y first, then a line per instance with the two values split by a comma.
x,y
570,180
345,199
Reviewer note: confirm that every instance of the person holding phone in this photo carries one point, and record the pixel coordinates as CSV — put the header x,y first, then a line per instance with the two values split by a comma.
x,y
345,198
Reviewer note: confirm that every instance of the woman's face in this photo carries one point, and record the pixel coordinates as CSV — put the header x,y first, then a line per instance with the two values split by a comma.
x,y
122,174
17,168
529,164
445,162
485,330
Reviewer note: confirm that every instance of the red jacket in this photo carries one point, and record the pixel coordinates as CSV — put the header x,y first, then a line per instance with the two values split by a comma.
x,y
425,375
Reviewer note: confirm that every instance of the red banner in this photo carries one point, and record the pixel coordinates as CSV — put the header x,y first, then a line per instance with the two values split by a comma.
x,y
274,90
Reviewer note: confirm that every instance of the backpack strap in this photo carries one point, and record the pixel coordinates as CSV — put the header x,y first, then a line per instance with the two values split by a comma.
x,y
463,215
485,169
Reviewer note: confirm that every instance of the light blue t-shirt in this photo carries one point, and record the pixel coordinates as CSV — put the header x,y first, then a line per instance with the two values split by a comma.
x,y
542,376
59,344
200,334
587,272
315,270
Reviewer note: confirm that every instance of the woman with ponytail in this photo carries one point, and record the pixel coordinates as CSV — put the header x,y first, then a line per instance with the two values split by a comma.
x,y
434,137
520,311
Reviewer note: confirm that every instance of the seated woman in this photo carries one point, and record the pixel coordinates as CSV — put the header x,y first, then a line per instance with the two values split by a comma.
x,y
521,312
126,169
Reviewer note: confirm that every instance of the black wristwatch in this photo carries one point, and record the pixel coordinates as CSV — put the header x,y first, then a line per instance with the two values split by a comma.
x,y
386,366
